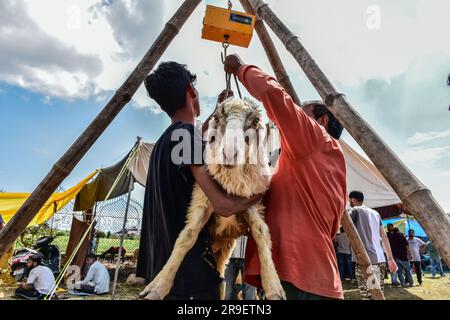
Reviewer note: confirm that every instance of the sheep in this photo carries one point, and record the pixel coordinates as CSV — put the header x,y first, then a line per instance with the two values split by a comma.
x,y
243,171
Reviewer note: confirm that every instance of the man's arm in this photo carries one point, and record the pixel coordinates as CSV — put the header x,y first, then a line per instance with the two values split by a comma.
x,y
387,248
224,204
89,276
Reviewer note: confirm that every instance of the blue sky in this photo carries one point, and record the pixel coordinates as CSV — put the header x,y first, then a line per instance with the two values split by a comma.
x,y
58,71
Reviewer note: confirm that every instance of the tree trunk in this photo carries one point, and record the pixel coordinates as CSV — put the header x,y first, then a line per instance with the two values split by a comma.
x,y
361,256
75,153
414,195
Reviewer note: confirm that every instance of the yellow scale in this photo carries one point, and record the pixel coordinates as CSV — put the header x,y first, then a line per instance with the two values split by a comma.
x,y
226,25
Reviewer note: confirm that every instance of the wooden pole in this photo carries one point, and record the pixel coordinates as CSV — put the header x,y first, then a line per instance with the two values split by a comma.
x,y
272,54
122,236
414,195
362,257
360,251
75,153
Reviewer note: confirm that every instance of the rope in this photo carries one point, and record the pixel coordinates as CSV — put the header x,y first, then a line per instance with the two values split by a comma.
x,y
75,251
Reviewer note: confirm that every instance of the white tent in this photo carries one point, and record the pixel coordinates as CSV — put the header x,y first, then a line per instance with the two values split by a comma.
x,y
362,175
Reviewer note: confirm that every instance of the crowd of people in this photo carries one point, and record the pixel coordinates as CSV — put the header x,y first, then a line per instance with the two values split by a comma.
x,y
404,254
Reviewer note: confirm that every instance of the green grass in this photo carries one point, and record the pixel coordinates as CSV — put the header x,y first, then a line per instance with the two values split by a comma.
x,y
103,245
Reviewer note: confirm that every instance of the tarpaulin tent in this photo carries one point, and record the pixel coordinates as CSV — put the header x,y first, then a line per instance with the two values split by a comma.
x,y
11,202
98,189
362,175
405,224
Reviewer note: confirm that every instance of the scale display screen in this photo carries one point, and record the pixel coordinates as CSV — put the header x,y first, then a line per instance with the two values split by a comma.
x,y
240,18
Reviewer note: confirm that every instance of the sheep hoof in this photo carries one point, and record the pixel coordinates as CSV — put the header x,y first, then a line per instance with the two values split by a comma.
x,y
152,295
276,293
153,292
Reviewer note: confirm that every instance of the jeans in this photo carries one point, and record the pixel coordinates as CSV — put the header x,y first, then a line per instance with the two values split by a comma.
x,y
418,268
433,263
345,262
234,266
404,266
394,279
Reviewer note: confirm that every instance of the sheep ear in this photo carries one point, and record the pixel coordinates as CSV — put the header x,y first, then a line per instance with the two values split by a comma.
x,y
220,109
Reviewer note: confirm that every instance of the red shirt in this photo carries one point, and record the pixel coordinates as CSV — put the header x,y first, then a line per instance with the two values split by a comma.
x,y
307,194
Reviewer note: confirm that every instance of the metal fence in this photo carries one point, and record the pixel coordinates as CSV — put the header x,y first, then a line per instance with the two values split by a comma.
x,y
108,227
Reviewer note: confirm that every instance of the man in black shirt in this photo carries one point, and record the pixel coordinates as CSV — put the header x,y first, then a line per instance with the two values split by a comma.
x,y
175,165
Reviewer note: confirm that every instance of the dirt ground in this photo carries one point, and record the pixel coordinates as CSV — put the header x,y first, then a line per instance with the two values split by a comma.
x,y
432,289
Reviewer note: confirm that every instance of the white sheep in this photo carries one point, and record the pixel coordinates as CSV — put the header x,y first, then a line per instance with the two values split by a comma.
x,y
241,170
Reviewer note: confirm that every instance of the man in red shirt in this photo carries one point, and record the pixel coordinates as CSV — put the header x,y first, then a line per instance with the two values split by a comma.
x,y
307,194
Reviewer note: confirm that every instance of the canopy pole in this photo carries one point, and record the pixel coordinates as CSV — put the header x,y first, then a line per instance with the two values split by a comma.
x,y
361,255
122,236
75,153
413,193
272,53
362,258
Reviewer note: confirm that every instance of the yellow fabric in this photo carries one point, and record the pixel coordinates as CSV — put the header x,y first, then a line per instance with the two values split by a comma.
x,y
11,202
5,259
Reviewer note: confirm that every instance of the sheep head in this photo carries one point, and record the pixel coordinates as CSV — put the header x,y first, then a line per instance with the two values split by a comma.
x,y
236,148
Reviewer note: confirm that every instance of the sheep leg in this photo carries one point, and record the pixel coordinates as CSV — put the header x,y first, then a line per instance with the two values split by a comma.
x,y
198,216
222,257
260,231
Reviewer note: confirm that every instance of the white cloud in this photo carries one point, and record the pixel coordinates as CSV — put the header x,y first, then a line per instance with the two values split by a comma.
x,y
421,137
119,32
34,60
424,156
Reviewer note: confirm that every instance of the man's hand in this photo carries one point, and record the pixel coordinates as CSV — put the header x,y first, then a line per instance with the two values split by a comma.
x,y
223,95
392,266
232,64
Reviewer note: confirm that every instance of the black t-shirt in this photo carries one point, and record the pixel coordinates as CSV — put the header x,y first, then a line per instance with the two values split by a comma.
x,y
167,198
399,246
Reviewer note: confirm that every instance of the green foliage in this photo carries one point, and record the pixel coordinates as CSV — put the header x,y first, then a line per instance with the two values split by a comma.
x,y
31,234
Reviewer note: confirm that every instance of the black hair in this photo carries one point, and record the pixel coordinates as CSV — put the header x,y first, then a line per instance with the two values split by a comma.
x,y
358,195
390,224
35,258
395,230
168,84
92,256
335,128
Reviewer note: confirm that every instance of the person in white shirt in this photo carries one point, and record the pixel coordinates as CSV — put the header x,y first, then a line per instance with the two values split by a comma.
x,y
40,281
97,279
370,229
415,247
344,254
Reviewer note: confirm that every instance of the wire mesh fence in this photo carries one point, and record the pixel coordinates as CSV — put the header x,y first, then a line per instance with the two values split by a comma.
x,y
108,227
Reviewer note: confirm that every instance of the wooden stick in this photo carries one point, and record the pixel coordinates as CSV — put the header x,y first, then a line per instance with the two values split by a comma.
x,y
272,53
75,153
414,195
362,257
360,251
